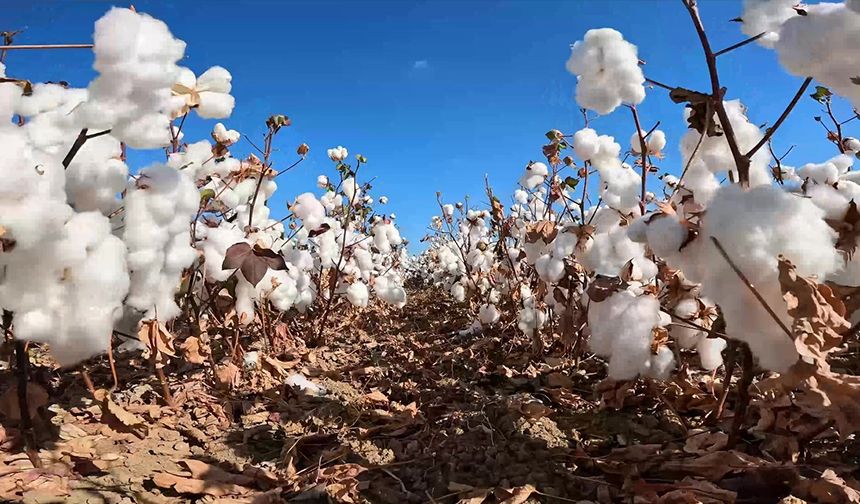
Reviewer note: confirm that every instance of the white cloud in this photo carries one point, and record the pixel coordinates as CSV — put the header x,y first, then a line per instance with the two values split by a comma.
x,y
420,64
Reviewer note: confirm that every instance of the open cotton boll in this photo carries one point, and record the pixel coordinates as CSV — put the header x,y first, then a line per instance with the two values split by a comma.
x,y
350,189
159,208
309,210
621,328
383,200
549,268
488,314
530,319
534,175
136,57
322,181
710,352
224,136
851,144
656,142
209,94
458,292
521,197
357,294
755,227
822,44
389,289
607,71
766,16
585,143
96,175
447,210
338,154
824,173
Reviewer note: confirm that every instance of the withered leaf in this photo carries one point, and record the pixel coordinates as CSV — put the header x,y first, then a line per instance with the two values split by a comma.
x,y
848,228
604,286
701,111
253,262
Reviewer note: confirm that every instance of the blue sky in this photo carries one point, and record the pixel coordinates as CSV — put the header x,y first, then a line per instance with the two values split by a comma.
x,y
434,94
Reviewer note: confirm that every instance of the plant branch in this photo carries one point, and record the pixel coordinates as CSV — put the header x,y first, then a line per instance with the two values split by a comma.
x,y
770,131
739,44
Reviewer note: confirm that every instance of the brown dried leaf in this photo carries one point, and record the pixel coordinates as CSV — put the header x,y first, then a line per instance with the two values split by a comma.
x,y
157,340
604,286
191,350
195,486
37,397
118,417
226,375
828,488
516,495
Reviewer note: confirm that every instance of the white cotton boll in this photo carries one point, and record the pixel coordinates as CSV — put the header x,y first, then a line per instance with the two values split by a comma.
x,y
534,175
488,314
621,328
2,70
458,292
96,176
338,154
666,235
217,79
389,289
824,173
304,385
308,208
383,200
710,352
564,244
43,98
755,227
662,364
766,16
224,136
585,143
842,162
136,59
447,210
159,207
350,189
821,44
521,197
322,181
549,269
530,319
607,71
392,216
656,142
215,105
357,294
635,147
850,143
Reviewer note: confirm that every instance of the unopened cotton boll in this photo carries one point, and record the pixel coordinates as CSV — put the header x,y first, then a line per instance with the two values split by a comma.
x,y
338,154
607,71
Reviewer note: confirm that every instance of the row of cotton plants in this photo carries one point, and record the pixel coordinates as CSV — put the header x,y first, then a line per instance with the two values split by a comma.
x,y
597,246
89,245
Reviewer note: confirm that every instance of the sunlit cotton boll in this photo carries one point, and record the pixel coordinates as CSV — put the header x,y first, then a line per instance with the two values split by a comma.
x,y
308,208
534,175
607,71
488,314
357,294
338,154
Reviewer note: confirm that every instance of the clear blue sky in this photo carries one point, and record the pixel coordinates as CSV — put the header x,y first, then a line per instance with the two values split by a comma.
x,y
434,94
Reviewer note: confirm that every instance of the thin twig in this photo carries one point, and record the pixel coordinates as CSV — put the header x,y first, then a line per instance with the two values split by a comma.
x,y
740,44
25,47
770,131
751,287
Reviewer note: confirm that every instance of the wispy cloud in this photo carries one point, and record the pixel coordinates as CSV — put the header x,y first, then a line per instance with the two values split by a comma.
x,y
420,65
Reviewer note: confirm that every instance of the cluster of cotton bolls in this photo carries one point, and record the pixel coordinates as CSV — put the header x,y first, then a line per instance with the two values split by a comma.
x,y
819,43
88,245
621,261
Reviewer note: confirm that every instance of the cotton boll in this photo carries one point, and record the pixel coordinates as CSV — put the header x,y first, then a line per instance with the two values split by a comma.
x,y
850,143
224,136
383,200
322,181
357,294
585,143
530,319
458,292
136,59
710,352
662,364
666,235
389,289
309,210
824,173
534,175
549,269
766,16
521,197
821,45
338,154
656,142
350,189
488,314
607,71
448,210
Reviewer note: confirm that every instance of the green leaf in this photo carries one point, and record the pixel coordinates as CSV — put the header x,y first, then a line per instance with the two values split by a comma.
x,y
206,195
571,182
361,159
821,94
